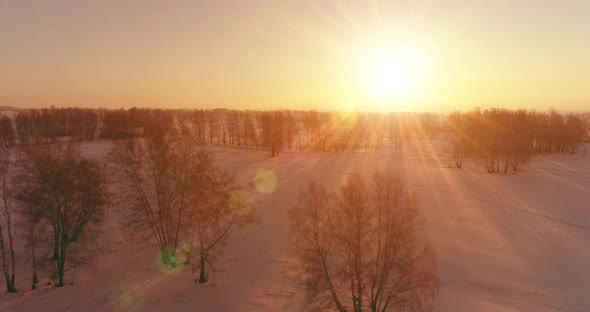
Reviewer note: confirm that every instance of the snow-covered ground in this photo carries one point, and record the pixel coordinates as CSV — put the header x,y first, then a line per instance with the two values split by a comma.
x,y
516,242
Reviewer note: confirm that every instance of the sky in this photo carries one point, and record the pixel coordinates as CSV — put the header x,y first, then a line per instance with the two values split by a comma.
x,y
299,54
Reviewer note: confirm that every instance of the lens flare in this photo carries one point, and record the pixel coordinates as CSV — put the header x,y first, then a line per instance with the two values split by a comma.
x,y
240,202
265,181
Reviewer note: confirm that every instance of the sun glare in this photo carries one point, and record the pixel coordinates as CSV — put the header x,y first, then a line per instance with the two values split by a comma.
x,y
394,73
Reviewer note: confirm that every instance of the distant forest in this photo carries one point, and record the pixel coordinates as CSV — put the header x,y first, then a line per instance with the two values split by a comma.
x,y
502,139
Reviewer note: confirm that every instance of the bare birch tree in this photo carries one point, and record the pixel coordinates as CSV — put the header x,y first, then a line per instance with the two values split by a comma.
x,y
156,172
70,193
153,199
177,195
6,215
362,250
220,205
34,231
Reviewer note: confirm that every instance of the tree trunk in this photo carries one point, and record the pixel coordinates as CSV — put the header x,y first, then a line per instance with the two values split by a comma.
x,y
10,287
357,304
202,278
489,165
55,246
35,281
60,276
61,263
12,254
165,255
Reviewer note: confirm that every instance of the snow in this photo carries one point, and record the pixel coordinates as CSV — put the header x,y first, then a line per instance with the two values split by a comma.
x,y
517,242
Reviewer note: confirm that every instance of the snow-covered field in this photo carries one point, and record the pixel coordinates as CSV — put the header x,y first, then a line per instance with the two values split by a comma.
x,y
503,242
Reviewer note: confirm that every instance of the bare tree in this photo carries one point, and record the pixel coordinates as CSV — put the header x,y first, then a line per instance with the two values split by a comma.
x,y
6,214
272,128
7,133
34,231
22,123
312,126
156,175
217,206
250,130
176,194
362,250
70,193
214,126
458,141
154,206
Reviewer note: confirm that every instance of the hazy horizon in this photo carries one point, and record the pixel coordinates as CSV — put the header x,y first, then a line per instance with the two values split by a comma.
x,y
295,54
301,109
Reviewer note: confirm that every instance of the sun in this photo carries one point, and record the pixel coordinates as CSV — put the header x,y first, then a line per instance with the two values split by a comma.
x,y
394,73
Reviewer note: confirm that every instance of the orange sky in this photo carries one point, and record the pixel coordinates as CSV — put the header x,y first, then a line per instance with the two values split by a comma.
x,y
291,54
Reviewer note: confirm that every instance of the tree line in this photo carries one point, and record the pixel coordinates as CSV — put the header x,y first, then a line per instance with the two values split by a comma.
x,y
505,139
47,124
502,138
270,130
307,130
